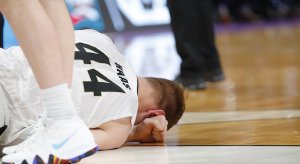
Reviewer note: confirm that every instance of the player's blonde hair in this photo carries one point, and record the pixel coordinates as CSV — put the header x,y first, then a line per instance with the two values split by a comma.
x,y
170,98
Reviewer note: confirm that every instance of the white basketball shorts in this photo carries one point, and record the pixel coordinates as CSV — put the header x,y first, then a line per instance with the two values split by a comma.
x,y
4,113
22,98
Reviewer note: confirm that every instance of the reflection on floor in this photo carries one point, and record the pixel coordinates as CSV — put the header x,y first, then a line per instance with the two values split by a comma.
x,y
151,53
199,154
258,104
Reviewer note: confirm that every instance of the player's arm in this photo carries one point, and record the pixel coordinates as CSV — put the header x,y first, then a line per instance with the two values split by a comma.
x,y
112,134
152,129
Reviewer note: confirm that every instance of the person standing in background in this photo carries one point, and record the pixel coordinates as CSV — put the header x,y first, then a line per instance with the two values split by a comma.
x,y
192,25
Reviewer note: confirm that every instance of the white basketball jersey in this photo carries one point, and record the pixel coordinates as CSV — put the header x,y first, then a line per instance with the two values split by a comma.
x,y
104,84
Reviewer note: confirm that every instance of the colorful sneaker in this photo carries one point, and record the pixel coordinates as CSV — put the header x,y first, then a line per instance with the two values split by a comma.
x,y
59,142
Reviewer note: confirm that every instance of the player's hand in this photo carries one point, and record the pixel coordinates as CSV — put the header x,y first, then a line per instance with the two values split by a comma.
x,y
152,129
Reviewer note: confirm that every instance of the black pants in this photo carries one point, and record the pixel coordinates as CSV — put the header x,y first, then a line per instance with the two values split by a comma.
x,y
192,24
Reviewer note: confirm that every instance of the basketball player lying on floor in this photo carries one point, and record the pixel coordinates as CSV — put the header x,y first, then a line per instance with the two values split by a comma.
x,y
115,104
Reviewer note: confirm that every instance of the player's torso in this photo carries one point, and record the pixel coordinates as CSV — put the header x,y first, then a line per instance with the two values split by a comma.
x,y
104,83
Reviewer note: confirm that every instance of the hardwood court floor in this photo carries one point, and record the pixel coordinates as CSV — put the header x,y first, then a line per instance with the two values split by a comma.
x,y
258,104
263,76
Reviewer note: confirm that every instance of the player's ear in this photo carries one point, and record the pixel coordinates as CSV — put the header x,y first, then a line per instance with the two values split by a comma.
x,y
155,112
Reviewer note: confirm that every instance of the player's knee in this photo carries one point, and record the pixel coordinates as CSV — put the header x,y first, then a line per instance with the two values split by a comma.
x,y
6,5
10,5
3,4
55,1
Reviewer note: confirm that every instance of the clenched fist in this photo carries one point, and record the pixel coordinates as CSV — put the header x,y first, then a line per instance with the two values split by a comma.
x,y
152,129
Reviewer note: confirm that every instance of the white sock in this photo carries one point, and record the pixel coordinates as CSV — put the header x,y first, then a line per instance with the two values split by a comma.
x,y
58,102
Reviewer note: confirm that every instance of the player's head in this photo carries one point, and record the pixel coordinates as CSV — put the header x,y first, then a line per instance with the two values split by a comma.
x,y
160,97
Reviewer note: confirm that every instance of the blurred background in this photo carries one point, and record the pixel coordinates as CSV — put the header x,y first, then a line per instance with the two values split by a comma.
x,y
128,15
128,22
122,15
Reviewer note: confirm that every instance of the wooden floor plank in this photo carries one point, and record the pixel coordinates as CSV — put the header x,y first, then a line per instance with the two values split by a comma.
x,y
198,155
262,68
256,132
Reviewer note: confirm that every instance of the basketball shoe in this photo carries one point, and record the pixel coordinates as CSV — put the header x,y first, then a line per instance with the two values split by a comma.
x,y
59,142
191,83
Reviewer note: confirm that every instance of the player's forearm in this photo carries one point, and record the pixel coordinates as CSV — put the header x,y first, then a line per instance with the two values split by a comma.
x,y
112,134
139,135
132,137
105,141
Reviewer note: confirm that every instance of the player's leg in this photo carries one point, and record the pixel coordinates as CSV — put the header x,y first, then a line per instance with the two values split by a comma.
x,y
59,16
39,41
37,38
185,27
206,37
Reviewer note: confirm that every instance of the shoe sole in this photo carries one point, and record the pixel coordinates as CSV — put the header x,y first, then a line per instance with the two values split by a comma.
x,y
55,160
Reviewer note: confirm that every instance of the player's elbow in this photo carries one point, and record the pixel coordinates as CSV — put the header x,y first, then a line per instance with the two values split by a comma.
x,y
118,145
110,144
